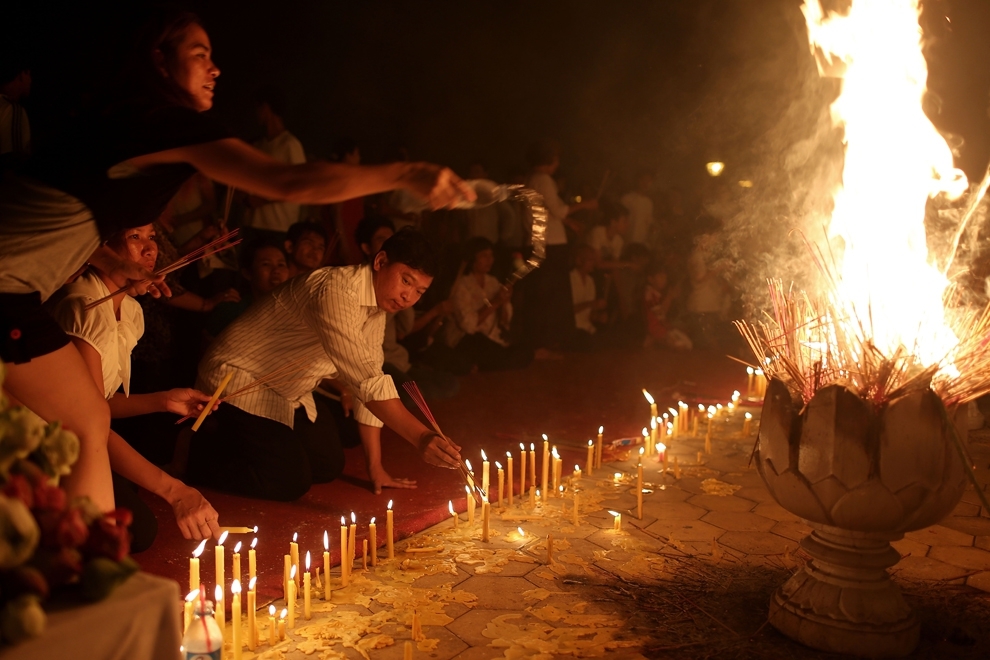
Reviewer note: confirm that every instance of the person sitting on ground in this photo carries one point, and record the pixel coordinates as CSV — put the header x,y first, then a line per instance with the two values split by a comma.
x,y
105,335
659,297
263,266
276,442
305,245
588,307
371,234
608,238
483,313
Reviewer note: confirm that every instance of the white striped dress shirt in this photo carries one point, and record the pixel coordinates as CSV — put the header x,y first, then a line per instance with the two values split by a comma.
x,y
329,317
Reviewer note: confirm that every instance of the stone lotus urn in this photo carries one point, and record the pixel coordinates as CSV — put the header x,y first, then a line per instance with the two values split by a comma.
x,y
860,477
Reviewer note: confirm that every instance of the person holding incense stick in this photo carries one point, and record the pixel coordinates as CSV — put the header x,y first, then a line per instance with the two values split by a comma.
x,y
274,443
105,335
129,157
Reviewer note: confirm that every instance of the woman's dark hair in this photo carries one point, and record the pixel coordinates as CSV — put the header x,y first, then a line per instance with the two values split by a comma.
x,y
142,80
472,249
411,247
368,226
303,227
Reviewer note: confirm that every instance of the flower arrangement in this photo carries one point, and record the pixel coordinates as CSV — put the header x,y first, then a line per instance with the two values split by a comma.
x,y
47,541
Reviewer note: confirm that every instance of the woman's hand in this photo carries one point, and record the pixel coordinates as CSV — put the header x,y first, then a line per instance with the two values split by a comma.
x,y
437,185
230,295
438,450
381,479
197,519
139,279
186,401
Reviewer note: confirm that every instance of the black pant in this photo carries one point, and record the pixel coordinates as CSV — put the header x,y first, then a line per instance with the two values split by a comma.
x,y
488,355
248,455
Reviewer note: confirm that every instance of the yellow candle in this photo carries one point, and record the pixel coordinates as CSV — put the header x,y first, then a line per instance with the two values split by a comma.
x,y
653,404
388,531
501,482
652,446
351,543
749,381
281,623
286,569
188,608
271,626
485,512
253,559
235,618
294,554
470,506
240,530
746,424
532,465
407,651
601,436
237,561
252,614
364,556
470,474
292,597
576,520
549,549
508,459
639,487
326,565
485,471
522,471
554,460
616,521
343,552
545,469
218,610
453,514
218,557
576,476
194,566
213,400
307,593
674,419
589,463
532,497
373,530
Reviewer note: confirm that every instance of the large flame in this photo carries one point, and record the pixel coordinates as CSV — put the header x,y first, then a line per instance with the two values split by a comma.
x,y
895,160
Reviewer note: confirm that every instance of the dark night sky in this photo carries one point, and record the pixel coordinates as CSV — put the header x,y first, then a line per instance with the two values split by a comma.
x,y
662,84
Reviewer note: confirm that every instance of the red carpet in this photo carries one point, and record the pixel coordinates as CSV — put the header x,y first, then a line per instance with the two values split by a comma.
x,y
566,399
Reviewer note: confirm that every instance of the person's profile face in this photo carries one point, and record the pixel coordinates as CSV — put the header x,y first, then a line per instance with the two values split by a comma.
x,y
309,250
195,71
268,270
398,286
139,245
483,261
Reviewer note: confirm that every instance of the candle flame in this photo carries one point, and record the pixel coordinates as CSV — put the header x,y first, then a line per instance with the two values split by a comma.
x,y
561,489
254,542
467,462
192,595
750,371
601,429
614,513
508,454
223,537
498,466
749,415
253,583
545,438
645,432
711,409
661,447
343,521
701,407
483,456
577,468
235,587
353,518
450,506
237,548
373,518
326,540
292,573
642,450
218,595
522,447
532,446
295,537
649,398
199,549
389,507
591,443
617,476
255,529
673,413
537,492
555,454
284,613
307,560
521,532
271,610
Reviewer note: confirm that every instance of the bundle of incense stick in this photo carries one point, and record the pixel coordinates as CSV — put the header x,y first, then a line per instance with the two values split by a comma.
x,y
413,389
281,376
217,245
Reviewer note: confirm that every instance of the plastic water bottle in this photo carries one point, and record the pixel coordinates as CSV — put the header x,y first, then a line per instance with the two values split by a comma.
x,y
203,639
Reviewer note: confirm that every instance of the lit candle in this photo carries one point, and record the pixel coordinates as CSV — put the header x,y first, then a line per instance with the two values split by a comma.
x,y
351,543
252,614
292,597
373,531
235,618
616,521
601,436
701,411
253,559
326,566
555,467
343,552
388,530
746,424
653,404
708,434
749,382
522,472
470,473
538,496
194,566
307,593
188,608
364,554
470,506
576,520
485,514
286,569
761,383
673,419
453,514
485,471
208,408
281,623
532,465
685,415
218,556
639,486
545,472
549,549
589,462
651,446
218,611
646,439
294,554
577,474
508,458
271,626
237,561
501,482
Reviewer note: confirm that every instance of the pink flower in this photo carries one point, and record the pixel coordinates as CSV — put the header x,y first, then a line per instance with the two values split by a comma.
x,y
19,488
51,497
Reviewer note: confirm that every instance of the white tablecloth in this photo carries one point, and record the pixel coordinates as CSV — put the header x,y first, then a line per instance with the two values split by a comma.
x,y
140,619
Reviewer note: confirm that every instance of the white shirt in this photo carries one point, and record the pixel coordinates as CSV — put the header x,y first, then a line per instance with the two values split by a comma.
x,y
557,210
640,209
330,320
583,291
113,339
469,298
277,216
609,249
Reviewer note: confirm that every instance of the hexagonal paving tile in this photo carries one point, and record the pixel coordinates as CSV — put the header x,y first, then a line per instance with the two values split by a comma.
x,y
939,535
720,503
450,645
496,593
965,509
980,581
471,626
694,530
755,494
794,530
756,543
926,568
982,542
774,511
476,653
974,526
907,547
974,559
672,493
739,522
679,511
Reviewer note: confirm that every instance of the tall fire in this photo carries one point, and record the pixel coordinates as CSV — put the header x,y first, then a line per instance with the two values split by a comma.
x,y
859,433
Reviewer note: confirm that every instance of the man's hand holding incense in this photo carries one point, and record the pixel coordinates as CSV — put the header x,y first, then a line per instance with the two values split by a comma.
x,y
197,519
437,185
186,401
440,451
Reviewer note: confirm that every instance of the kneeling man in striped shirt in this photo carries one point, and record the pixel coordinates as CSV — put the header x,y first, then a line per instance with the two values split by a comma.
x,y
275,442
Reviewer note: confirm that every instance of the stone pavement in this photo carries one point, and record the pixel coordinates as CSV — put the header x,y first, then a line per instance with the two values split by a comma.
x,y
693,575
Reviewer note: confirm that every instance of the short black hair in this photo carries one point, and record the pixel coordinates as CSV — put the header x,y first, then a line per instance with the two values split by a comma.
x,y
475,246
249,252
274,98
542,152
300,229
411,247
368,226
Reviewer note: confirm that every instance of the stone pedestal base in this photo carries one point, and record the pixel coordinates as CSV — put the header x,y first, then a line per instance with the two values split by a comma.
x,y
843,600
